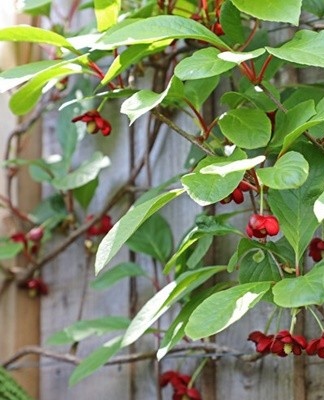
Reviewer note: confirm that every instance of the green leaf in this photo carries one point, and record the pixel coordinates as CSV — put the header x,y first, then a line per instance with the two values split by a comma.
x,y
293,123
176,331
206,225
35,7
238,57
115,274
289,172
10,250
81,330
257,265
301,291
222,309
203,63
106,12
319,208
225,168
158,28
294,207
26,97
87,172
306,47
200,251
128,224
26,33
231,22
144,100
153,238
95,360
53,208
164,299
21,74
198,90
207,189
84,194
245,127
315,7
132,55
271,10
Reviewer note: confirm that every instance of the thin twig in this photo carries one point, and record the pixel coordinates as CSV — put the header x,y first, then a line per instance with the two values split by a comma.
x,y
211,349
191,138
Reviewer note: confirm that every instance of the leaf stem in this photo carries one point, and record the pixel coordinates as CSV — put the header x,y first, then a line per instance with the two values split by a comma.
x,y
197,372
316,318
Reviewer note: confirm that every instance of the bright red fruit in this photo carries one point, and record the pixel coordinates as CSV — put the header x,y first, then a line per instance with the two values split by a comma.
x,y
260,226
95,122
180,383
37,286
316,249
237,195
101,227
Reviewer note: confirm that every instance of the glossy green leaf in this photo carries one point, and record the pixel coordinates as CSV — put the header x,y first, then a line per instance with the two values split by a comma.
x,y
84,174
222,309
315,7
145,100
106,12
27,33
271,10
153,238
81,330
225,168
16,76
176,331
115,274
10,250
197,91
84,194
164,299
306,47
158,28
289,172
301,291
319,208
238,57
203,63
207,225
95,360
128,224
207,189
132,55
294,207
26,97
245,127
258,265
200,251
293,123
231,22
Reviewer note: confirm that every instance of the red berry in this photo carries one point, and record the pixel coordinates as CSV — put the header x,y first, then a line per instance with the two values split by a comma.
x,y
35,234
316,249
238,196
260,226
244,186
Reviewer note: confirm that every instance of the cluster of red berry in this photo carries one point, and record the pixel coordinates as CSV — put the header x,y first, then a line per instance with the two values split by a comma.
x,y
95,122
237,195
181,386
284,343
34,236
260,226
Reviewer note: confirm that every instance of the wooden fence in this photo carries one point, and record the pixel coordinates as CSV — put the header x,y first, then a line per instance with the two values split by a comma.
x,y
25,321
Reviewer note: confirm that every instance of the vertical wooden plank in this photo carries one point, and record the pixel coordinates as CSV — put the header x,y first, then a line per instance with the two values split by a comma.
x,y
18,312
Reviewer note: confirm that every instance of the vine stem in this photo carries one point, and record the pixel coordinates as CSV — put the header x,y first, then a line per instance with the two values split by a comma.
x,y
197,372
316,318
